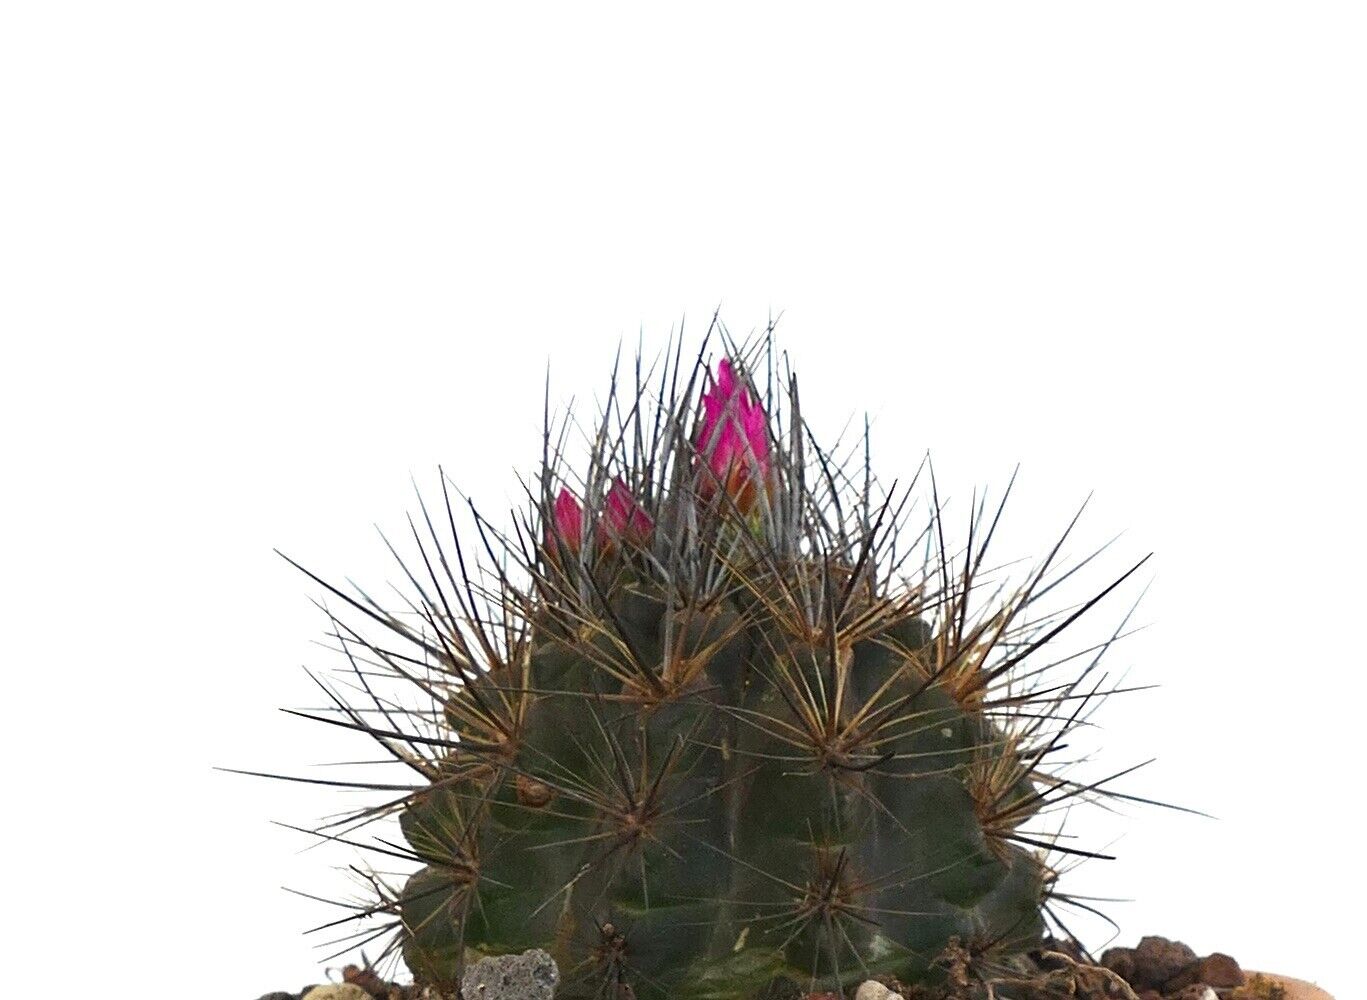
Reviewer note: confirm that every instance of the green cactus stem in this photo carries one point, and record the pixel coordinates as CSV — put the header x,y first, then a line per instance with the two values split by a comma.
x,y
719,716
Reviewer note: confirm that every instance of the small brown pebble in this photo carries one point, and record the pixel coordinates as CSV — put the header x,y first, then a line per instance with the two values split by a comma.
x,y
1120,961
1216,970
1156,960
1150,995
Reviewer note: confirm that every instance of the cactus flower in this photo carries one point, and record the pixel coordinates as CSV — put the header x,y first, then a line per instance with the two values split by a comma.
x,y
734,440
568,524
623,518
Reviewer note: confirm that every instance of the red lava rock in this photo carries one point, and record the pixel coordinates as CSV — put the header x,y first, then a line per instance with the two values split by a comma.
x,y
1120,961
1157,960
1216,969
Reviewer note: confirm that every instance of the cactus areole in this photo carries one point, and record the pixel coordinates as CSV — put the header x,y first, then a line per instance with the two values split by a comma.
x,y
719,712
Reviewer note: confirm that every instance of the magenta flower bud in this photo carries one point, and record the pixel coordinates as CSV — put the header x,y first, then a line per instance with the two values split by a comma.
x,y
623,517
569,522
734,439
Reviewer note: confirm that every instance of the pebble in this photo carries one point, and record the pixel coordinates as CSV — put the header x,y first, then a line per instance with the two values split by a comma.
x,y
337,991
1120,961
1156,960
529,976
1218,970
872,989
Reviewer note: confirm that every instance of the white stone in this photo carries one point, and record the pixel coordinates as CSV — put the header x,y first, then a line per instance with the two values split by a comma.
x,y
871,989
337,991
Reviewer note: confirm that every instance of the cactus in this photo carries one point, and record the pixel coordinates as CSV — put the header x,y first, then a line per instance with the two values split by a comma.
x,y
699,726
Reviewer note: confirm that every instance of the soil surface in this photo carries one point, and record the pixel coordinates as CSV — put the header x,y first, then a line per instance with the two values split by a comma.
x,y
1155,969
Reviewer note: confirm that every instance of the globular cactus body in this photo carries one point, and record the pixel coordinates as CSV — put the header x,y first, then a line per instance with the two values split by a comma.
x,y
731,832
718,742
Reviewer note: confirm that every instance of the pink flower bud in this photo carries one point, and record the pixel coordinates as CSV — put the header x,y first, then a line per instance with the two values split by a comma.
x,y
568,525
623,517
734,439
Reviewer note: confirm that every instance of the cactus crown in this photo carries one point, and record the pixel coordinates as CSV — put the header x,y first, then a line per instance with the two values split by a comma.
x,y
718,714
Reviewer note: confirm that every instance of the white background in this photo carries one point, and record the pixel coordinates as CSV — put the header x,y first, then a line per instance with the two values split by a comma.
x,y
264,261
